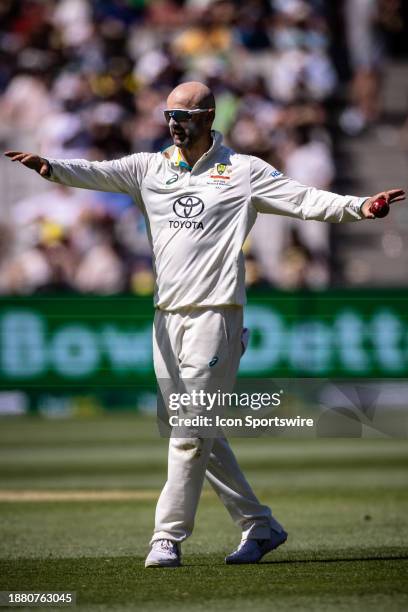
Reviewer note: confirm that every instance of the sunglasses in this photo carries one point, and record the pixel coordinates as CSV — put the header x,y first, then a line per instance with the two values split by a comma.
x,y
184,115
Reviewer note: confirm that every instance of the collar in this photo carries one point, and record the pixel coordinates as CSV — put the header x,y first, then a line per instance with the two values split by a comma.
x,y
176,158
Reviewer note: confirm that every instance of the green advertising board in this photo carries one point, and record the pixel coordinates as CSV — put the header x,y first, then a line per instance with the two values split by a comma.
x,y
77,341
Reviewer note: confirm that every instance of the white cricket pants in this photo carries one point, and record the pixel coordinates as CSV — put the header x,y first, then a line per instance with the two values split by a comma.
x,y
184,343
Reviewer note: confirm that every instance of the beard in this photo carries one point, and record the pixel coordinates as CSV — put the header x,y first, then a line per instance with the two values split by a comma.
x,y
185,137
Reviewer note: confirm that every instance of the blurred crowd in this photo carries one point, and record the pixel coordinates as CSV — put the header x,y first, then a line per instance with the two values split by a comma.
x,y
89,79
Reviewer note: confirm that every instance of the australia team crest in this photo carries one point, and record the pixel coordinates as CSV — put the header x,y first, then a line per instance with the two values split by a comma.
x,y
220,174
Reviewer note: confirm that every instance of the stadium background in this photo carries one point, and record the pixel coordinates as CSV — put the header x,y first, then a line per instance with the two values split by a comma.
x,y
320,90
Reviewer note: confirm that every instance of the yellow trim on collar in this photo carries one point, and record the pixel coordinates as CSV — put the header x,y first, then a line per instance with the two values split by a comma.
x,y
177,159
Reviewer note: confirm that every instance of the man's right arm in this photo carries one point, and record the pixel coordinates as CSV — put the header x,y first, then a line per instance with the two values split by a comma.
x,y
120,175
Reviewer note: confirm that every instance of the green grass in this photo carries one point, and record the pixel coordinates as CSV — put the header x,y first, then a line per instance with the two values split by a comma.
x,y
344,503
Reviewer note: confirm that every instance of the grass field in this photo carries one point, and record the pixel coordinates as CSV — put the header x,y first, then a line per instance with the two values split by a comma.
x,y
77,502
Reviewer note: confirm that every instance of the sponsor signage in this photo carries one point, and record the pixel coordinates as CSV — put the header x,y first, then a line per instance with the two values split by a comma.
x,y
105,342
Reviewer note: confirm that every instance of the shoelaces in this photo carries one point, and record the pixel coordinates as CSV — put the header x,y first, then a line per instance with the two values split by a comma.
x,y
164,544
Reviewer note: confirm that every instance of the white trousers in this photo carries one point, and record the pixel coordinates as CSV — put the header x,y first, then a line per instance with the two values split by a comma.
x,y
184,344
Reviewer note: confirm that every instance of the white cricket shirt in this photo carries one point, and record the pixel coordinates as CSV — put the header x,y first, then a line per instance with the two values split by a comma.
x,y
198,220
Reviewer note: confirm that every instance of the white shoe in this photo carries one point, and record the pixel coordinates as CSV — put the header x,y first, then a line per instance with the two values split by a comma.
x,y
252,551
164,553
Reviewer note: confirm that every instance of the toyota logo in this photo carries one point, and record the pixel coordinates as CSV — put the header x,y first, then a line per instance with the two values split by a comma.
x,y
188,207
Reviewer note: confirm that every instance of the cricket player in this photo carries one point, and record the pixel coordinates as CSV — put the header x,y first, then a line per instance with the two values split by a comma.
x,y
200,199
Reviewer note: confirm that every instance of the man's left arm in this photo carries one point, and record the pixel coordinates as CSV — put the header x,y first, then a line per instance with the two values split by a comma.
x,y
272,192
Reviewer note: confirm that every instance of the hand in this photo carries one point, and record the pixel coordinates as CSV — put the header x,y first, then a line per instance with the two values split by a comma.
x,y
34,162
393,195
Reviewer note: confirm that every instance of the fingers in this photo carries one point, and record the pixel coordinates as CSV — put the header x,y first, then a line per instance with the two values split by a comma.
x,y
26,158
30,160
396,195
16,155
21,157
44,169
12,153
390,196
395,192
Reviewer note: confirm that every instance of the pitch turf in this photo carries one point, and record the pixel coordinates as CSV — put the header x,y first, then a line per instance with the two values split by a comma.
x,y
77,503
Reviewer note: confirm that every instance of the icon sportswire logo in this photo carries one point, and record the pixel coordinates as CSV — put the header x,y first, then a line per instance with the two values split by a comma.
x,y
188,207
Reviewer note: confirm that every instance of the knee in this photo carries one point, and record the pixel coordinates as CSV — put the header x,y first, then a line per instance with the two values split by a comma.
x,y
189,447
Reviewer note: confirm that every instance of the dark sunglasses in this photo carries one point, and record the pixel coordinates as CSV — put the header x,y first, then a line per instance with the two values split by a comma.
x,y
183,115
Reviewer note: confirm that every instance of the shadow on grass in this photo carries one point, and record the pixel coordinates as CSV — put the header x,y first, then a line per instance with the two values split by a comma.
x,y
336,559
124,580
342,556
9,566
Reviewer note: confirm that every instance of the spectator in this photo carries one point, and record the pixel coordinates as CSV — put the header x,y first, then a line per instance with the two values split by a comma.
x,y
366,58
101,268
299,268
97,72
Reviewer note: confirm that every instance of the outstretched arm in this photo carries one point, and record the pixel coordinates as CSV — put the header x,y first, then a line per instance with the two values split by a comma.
x,y
272,192
120,175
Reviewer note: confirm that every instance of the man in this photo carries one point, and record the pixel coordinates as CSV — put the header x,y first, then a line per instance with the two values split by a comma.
x,y
200,200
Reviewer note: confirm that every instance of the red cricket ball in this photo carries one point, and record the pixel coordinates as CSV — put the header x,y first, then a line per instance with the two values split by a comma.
x,y
380,207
